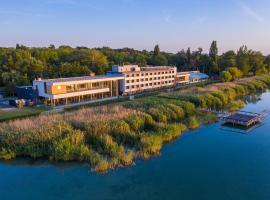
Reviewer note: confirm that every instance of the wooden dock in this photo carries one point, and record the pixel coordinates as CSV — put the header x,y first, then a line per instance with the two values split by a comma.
x,y
242,118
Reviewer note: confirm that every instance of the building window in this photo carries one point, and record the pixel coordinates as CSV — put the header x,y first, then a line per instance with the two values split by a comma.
x,y
142,79
142,85
127,81
146,79
132,75
127,87
132,86
138,74
127,75
138,80
133,81
138,86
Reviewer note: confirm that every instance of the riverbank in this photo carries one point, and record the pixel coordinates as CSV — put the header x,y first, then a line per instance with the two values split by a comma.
x,y
113,136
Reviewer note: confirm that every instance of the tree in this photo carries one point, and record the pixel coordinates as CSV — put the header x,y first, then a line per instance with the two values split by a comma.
x,y
267,63
228,59
73,69
156,50
242,60
225,76
236,73
213,54
157,58
98,62
257,63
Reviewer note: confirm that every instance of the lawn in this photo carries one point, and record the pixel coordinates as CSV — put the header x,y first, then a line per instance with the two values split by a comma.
x,y
19,113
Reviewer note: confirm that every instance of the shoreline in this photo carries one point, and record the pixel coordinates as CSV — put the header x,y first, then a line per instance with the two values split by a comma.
x,y
117,136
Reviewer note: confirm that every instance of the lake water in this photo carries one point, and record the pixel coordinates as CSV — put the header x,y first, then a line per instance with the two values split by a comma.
x,y
208,163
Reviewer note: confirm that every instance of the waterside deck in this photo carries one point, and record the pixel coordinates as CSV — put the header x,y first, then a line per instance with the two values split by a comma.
x,y
245,119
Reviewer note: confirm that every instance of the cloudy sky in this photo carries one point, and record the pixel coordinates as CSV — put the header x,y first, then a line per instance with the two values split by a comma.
x,y
139,24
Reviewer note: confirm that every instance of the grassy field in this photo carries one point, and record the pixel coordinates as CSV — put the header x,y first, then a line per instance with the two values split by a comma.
x,y
6,115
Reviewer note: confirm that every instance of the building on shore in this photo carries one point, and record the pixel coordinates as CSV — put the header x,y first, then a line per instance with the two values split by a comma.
x,y
77,89
197,76
121,80
182,78
139,79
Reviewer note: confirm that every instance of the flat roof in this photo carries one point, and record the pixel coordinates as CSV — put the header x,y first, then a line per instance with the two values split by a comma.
x,y
241,117
157,68
82,78
198,75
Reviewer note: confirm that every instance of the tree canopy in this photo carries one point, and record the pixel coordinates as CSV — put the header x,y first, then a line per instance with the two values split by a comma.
x,y
21,65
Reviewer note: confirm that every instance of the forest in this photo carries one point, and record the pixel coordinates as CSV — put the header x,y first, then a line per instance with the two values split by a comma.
x,y
21,65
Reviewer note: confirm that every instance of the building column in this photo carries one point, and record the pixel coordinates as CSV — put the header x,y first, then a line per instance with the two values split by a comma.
x,y
111,88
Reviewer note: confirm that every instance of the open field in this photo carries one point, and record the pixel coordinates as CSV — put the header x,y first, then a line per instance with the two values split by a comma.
x,y
19,113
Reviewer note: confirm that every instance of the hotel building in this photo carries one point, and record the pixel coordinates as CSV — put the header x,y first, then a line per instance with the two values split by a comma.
x,y
138,79
122,80
182,78
77,89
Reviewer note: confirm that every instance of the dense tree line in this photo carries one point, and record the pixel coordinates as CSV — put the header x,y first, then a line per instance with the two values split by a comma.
x,y
21,65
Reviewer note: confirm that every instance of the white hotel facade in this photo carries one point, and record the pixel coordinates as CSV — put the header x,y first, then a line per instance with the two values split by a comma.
x,y
138,79
122,80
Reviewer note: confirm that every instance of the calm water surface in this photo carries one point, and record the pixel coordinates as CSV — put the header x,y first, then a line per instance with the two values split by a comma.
x,y
208,163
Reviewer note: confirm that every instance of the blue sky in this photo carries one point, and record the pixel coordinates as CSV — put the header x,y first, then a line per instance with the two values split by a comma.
x,y
139,24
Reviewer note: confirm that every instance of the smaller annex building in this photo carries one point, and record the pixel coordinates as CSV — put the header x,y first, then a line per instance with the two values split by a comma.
x,y
197,76
77,89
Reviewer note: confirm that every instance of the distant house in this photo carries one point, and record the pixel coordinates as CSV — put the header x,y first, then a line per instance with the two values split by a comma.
x,y
196,76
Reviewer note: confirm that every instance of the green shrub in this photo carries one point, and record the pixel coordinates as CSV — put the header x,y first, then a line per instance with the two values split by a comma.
x,y
136,123
193,122
6,154
158,115
102,166
225,76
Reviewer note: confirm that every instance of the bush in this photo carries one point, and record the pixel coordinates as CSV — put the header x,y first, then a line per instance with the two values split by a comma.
x,y
6,154
102,166
158,115
70,148
193,122
235,72
225,76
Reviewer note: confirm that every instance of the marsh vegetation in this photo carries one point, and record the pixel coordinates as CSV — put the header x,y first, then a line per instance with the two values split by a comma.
x,y
107,137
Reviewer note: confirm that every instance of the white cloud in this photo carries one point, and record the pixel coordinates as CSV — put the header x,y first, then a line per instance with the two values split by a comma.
x,y
250,12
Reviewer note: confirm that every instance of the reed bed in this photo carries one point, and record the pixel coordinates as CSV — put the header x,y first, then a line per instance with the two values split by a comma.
x,y
107,137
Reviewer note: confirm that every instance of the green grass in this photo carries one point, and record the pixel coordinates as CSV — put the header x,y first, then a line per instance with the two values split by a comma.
x,y
6,115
